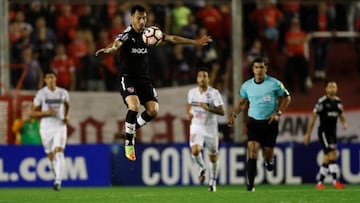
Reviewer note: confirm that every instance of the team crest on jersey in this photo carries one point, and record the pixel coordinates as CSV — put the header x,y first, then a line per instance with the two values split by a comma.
x,y
267,98
130,89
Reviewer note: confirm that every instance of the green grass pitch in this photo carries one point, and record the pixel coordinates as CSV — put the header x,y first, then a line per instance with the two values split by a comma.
x,y
182,194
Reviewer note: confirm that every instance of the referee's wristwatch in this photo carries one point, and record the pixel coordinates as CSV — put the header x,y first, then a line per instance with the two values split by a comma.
x,y
278,112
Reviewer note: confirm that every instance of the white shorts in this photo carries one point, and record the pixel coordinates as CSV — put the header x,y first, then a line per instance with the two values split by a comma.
x,y
53,137
200,136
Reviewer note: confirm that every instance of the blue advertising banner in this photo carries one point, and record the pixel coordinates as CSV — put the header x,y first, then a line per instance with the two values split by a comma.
x,y
163,164
168,164
25,166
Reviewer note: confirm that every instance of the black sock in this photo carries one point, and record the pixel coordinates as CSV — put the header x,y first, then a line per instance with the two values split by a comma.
x,y
130,119
322,175
333,173
251,172
146,117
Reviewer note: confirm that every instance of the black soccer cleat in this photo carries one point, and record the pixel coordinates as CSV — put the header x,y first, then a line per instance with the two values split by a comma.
x,y
202,176
212,188
250,188
269,166
56,186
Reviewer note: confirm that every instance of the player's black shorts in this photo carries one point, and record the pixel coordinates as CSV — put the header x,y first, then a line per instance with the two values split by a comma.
x,y
327,139
142,87
263,132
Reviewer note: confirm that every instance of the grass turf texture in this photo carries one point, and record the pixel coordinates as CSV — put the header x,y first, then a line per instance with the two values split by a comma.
x,y
183,194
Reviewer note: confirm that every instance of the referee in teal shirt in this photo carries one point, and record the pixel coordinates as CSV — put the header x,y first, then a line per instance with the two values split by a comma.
x,y
267,98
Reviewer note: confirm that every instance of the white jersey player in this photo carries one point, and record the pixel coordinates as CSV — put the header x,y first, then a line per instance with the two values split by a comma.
x,y
204,103
51,104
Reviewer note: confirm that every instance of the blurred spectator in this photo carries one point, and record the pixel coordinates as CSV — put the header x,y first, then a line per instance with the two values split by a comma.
x,y
88,20
159,63
41,24
225,42
108,68
111,9
323,20
124,9
182,73
66,24
291,9
17,48
77,49
255,51
222,84
180,16
90,71
117,26
37,9
26,128
44,49
64,68
211,18
268,17
190,31
296,68
354,25
34,77
207,57
18,26
162,14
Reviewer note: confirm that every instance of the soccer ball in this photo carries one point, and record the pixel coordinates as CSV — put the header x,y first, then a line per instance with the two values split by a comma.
x,y
152,36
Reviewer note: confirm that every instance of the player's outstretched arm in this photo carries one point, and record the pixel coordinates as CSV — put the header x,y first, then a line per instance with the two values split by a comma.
x,y
204,40
112,47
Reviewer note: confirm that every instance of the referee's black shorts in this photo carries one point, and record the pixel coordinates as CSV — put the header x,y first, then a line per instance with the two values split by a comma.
x,y
263,132
142,87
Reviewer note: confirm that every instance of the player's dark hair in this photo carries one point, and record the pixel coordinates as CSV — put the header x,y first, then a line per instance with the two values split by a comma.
x,y
328,81
204,69
259,59
137,8
50,72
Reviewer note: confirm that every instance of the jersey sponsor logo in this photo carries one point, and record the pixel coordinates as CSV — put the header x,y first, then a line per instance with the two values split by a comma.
x,y
333,114
139,51
194,103
53,101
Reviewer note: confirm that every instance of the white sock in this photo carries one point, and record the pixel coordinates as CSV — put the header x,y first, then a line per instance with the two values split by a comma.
x,y
59,166
213,171
52,166
140,121
130,129
199,160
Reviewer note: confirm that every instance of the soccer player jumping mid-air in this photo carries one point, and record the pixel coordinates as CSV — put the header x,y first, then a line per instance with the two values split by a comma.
x,y
135,84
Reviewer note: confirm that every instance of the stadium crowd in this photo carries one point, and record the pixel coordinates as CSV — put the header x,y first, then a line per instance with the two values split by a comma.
x,y
63,37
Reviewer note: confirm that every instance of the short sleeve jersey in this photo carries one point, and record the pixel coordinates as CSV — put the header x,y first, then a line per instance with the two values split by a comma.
x,y
134,54
328,110
52,99
201,117
262,97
